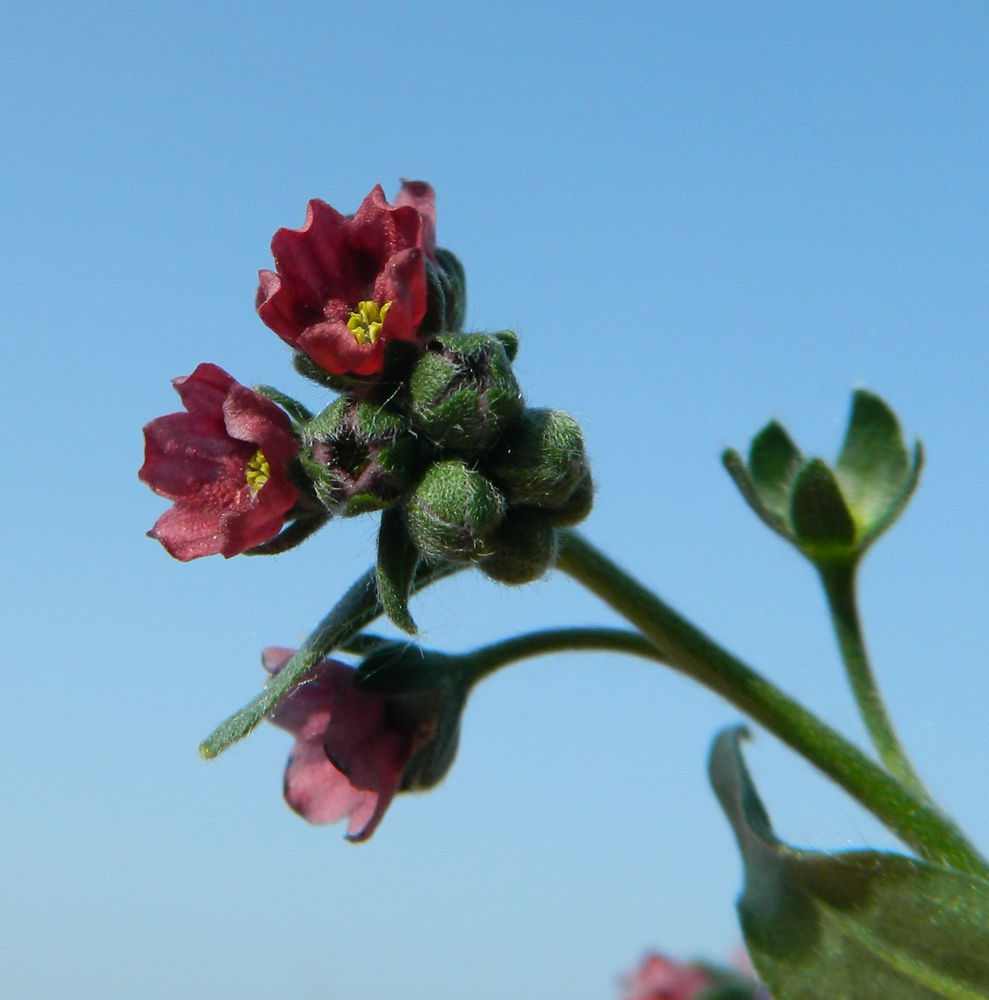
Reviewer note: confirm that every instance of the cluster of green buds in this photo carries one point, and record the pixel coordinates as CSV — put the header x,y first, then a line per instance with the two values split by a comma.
x,y
442,444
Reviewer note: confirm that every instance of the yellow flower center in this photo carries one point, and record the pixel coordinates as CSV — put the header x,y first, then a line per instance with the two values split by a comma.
x,y
257,472
365,321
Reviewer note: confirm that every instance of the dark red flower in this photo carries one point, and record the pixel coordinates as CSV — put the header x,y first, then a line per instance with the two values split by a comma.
x,y
657,978
351,748
343,287
224,463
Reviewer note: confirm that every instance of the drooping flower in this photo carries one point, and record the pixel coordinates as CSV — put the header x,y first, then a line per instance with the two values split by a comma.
x,y
343,287
223,463
353,750
659,978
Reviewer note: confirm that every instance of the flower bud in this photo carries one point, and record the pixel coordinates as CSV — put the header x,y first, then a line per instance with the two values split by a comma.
x,y
577,506
524,547
361,457
453,511
540,459
463,393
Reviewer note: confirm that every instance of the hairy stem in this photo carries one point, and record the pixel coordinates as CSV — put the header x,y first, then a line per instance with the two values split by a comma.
x,y
914,820
839,585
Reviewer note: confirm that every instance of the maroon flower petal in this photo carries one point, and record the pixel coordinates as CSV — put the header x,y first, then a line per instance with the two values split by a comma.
x,y
657,978
422,198
200,459
187,531
328,267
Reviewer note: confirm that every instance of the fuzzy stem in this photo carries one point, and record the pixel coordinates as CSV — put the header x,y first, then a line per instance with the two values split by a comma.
x,y
839,586
915,821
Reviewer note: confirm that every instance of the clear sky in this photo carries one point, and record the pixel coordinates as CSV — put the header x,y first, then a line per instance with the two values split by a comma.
x,y
696,216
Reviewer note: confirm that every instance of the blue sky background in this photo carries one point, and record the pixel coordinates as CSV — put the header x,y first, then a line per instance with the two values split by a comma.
x,y
696,216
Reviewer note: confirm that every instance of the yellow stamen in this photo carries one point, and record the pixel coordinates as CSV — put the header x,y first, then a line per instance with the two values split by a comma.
x,y
365,321
257,472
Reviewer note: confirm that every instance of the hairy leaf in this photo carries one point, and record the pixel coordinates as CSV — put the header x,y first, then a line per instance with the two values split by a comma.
x,y
862,925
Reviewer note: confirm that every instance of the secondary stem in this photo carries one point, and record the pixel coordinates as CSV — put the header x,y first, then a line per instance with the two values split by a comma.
x,y
914,820
839,585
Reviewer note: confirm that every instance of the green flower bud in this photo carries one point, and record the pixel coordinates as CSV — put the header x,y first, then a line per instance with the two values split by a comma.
x,y
453,511
524,547
463,393
360,456
540,459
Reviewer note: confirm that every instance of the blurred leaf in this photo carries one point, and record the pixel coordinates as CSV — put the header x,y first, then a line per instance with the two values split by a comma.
x,y
861,925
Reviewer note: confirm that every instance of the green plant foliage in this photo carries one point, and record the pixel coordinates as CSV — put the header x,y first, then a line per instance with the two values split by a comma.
x,y
832,516
861,925
398,558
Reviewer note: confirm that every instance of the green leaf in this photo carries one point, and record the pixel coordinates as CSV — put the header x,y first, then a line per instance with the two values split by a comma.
x,y
773,464
862,925
299,413
820,518
357,608
397,561
874,466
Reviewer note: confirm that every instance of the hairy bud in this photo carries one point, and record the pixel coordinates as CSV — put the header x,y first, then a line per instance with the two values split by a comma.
x,y
540,459
463,393
453,511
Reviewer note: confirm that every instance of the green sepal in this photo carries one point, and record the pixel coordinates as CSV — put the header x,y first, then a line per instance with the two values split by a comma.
x,y
399,668
293,534
434,318
874,468
821,520
298,413
774,461
510,341
326,423
523,547
576,507
859,924
398,558
453,279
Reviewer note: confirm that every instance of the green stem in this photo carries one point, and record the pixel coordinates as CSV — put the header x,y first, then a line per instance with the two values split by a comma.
x,y
357,608
839,585
483,662
915,821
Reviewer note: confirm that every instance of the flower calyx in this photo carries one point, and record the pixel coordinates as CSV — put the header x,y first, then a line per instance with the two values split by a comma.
x,y
831,515
359,455
357,744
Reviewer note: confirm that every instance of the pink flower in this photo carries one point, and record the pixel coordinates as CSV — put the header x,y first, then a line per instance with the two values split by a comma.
x,y
658,978
224,463
343,287
351,748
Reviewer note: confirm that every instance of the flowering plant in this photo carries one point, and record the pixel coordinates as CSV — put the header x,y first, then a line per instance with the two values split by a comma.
x,y
430,430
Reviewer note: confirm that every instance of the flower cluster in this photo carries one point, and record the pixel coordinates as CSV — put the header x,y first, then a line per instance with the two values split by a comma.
x,y
429,428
